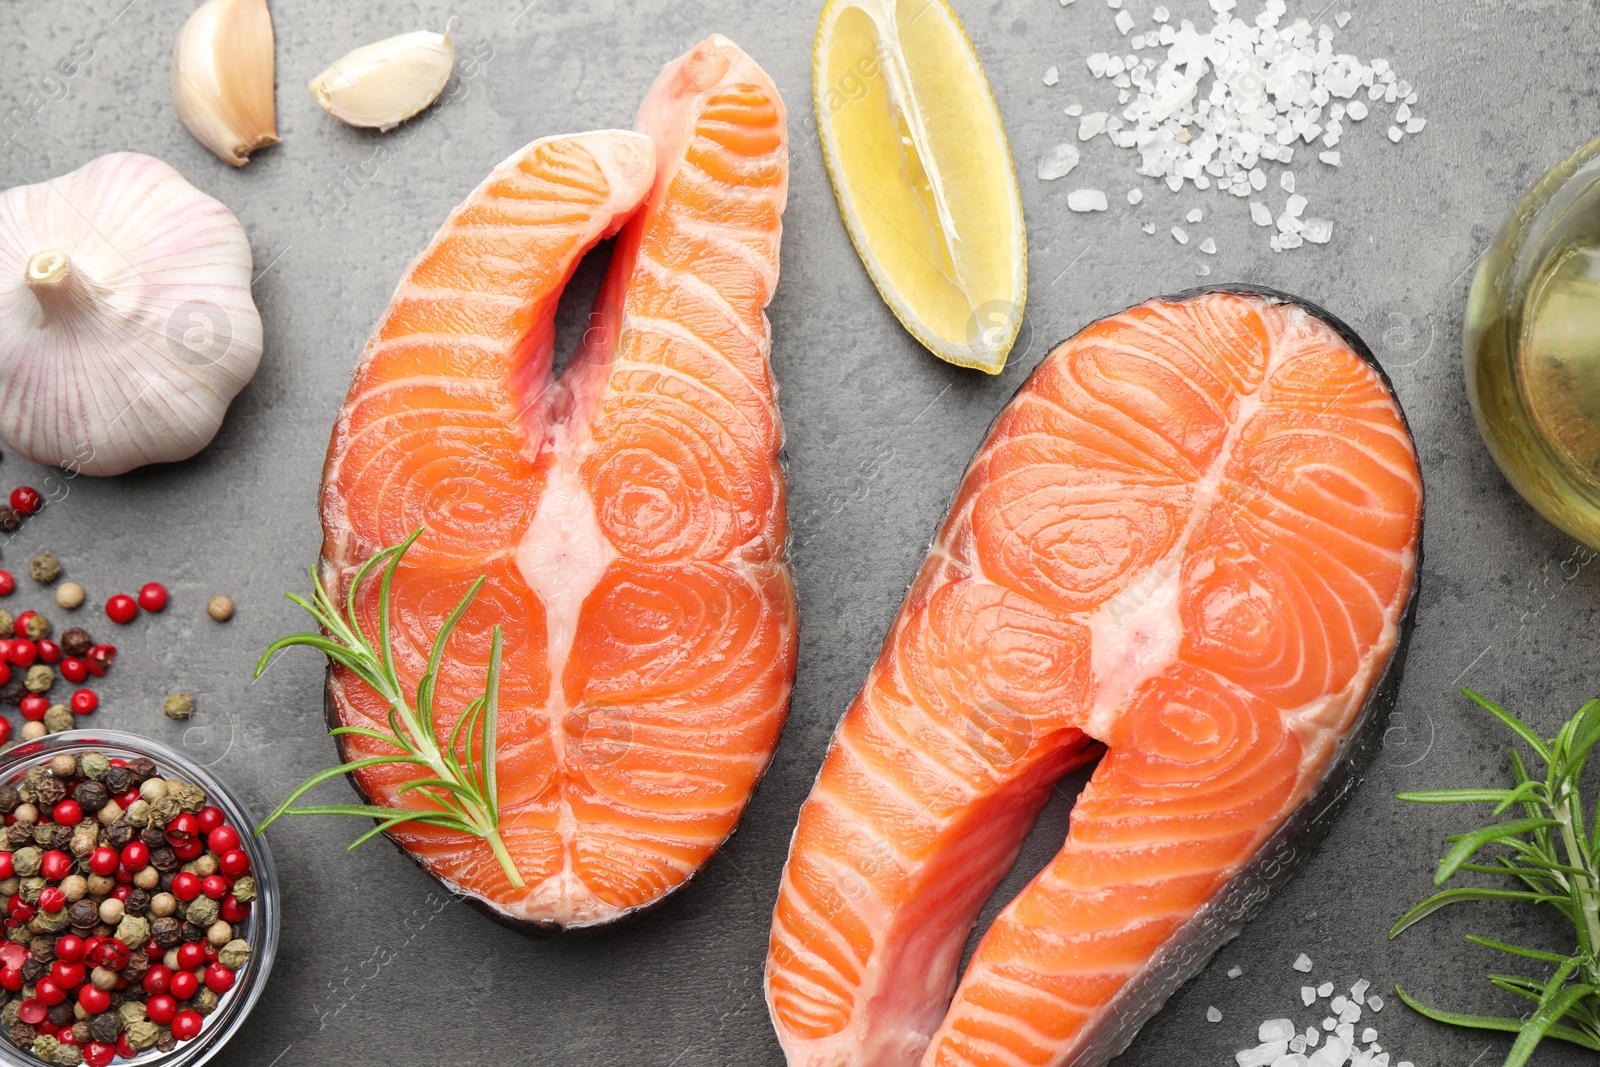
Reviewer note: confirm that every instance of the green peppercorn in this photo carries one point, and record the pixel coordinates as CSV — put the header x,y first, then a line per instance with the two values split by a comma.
x,y
133,931
178,706
58,719
244,889
44,1046
202,911
25,861
132,1011
38,628
93,765
143,1034
40,678
44,568
67,1056
191,798
205,1001
234,954
51,922
6,621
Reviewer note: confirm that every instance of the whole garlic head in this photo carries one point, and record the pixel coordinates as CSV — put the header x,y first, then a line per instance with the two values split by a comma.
x,y
126,321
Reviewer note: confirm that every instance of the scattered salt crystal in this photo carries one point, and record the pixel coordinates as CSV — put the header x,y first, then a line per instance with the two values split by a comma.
x,y
1201,269
1342,19
1058,162
1357,110
1329,1023
1358,992
1124,22
1235,971
1195,216
1308,995
1368,1036
1051,75
1338,1004
1179,236
1160,14
1209,246
1135,196
1313,1035
1258,179
1097,64
1086,200
1150,227
1263,1054
1113,4
1275,1030
1330,158
1395,134
1296,205
1222,7
1213,1015
1092,125
1065,3
1350,1014
1318,232
1375,1003
1416,124
1174,182
1325,989
1298,1044
1286,181
1073,110
1261,215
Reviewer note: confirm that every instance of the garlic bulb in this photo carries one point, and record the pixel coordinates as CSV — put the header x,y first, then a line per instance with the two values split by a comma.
x,y
381,85
222,68
126,322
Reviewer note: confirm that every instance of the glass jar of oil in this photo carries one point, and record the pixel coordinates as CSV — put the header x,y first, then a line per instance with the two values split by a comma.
x,y
1533,346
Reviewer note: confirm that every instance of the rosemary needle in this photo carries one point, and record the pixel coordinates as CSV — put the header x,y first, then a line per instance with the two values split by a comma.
x,y
1553,852
456,778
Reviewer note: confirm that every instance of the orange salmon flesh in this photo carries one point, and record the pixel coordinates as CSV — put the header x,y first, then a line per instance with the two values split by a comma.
x,y
1190,543
629,516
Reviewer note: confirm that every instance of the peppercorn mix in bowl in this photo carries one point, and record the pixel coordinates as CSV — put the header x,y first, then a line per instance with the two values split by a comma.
x,y
140,909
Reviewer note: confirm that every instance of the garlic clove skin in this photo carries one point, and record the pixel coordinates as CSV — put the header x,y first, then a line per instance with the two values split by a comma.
x,y
381,85
222,78
126,320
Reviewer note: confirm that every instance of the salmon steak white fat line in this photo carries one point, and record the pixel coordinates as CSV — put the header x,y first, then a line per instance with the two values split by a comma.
x,y
1188,548
628,516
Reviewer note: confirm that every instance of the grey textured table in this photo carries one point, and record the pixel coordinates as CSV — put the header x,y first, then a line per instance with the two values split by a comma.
x,y
375,967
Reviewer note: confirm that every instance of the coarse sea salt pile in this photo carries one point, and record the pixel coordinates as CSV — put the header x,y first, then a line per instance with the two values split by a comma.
x,y
1217,108
1332,1041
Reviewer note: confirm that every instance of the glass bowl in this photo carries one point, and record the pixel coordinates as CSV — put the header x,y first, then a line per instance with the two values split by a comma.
x,y
260,928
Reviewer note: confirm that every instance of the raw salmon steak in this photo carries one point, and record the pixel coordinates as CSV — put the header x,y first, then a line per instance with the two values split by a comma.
x,y
629,516
1188,548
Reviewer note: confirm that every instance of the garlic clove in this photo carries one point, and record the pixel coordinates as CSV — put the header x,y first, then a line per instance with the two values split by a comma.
x,y
222,78
380,85
126,319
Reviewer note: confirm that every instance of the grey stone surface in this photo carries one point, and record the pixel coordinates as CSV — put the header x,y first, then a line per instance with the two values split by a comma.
x,y
374,967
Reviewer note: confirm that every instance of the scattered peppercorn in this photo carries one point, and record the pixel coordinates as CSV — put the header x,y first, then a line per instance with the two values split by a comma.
x,y
10,521
58,718
76,641
70,595
121,609
178,706
8,584
44,568
220,608
153,596
25,500
36,628
39,678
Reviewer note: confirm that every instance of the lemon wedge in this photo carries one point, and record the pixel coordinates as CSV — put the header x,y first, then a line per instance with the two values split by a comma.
x,y
922,171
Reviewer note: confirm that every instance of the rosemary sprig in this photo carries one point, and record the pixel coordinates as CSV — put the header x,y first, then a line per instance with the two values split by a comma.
x,y
461,773
1553,851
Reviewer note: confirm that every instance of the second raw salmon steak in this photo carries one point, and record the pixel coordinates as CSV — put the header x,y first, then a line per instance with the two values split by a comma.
x,y
629,516
1189,547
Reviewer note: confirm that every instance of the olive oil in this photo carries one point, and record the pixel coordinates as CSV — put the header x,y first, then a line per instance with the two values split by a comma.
x,y
1533,346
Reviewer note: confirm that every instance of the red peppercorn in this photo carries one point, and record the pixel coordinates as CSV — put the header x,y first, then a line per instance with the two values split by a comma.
x,y
11,979
19,625
190,956
67,813
161,1007
211,952
22,654
121,609
69,947
8,584
55,865
215,886
47,990
136,855
186,1025
20,909
104,860
7,867
123,889
33,1011
50,1028
211,817
5,729
99,1054
67,1037
153,596
5,673
125,1047
157,979
73,670
233,862
223,839
184,984
25,500
128,799
110,953
67,975
233,909
183,829
218,978
190,851
52,899
153,950
34,706
49,651
118,762
84,701
185,885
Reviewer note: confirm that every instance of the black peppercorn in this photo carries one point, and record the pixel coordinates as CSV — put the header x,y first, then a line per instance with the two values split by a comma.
x,y
61,1014
138,902
51,790
105,1027
142,768
33,970
120,834
153,837
166,1042
60,837
42,948
91,796
9,798
166,931
164,860
10,521
76,641
191,932
19,834
119,779
22,1034
14,690
84,914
